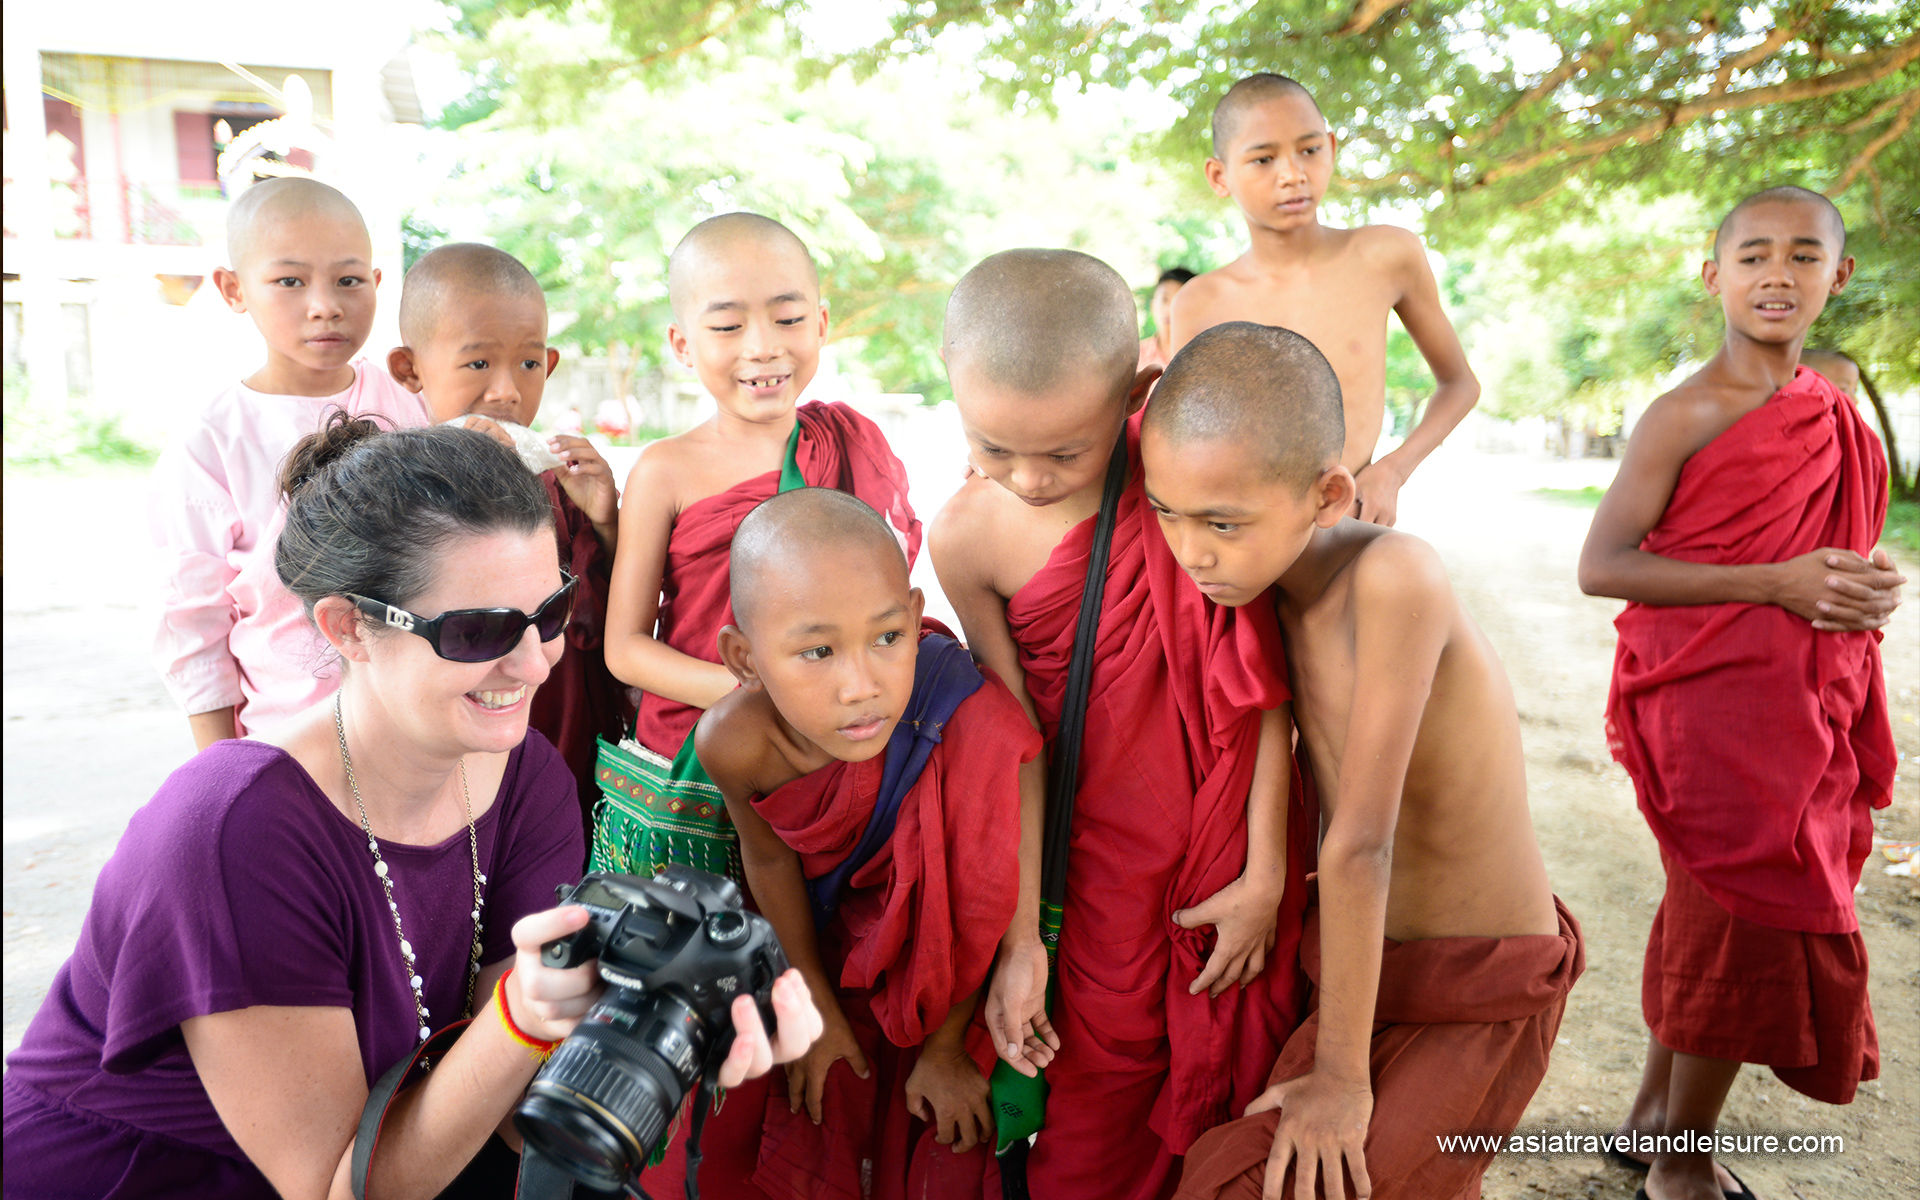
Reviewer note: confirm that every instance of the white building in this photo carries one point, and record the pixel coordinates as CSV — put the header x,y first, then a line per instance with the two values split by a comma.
x,y
149,118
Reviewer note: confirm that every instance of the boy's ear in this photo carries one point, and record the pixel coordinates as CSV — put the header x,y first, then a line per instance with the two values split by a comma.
x,y
1143,381
1710,276
339,622
1840,276
736,654
1217,177
916,604
677,344
228,285
825,319
1334,490
553,360
400,365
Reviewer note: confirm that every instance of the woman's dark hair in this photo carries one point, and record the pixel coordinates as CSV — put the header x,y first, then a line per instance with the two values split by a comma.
x,y
1179,275
369,510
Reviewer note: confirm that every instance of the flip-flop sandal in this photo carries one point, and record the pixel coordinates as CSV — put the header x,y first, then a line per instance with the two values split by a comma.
x,y
1620,1158
1745,1192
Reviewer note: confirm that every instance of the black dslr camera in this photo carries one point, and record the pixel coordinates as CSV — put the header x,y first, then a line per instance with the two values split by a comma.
x,y
676,949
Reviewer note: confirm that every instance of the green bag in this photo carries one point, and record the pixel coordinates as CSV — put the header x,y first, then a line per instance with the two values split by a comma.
x,y
653,812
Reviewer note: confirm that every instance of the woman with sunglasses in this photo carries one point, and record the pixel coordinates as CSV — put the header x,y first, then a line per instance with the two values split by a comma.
x,y
286,920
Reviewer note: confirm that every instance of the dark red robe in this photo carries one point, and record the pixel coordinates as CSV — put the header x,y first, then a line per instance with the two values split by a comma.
x,y
1462,1031
1159,825
838,448
1758,745
915,934
581,700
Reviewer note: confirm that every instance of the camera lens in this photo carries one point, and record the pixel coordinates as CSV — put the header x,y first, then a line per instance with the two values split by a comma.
x,y
600,1106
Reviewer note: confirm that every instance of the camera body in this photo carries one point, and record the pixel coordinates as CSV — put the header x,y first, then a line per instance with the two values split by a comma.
x,y
675,949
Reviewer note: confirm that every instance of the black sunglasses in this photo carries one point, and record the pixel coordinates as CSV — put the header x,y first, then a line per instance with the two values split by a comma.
x,y
472,635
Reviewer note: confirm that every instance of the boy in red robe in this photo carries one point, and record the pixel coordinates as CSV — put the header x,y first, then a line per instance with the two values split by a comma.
x,y
1748,701
474,324
872,771
749,320
1440,959
1185,874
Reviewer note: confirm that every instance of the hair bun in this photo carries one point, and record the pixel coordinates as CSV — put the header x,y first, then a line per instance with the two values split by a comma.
x,y
314,453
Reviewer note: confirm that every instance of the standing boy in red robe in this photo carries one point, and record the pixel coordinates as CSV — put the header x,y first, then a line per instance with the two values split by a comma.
x,y
1748,701
474,324
872,771
1440,958
749,320
1186,867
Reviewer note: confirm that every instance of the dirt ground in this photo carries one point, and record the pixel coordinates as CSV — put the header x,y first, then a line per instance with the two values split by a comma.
x,y
90,734
1511,553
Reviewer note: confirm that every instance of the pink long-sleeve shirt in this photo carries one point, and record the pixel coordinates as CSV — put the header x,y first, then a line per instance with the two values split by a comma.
x,y
230,633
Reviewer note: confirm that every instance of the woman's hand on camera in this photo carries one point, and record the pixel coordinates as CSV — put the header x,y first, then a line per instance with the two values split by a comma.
x,y
799,1024
547,1003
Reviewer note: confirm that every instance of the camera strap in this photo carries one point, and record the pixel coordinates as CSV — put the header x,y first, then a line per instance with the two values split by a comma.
x,y
372,1117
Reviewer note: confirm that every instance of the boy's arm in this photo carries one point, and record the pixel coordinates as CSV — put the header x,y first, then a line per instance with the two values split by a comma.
x,y
211,727
1834,588
1455,389
780,889
945,1087
1401,605
194,523
633,599
1245,914
1016,1012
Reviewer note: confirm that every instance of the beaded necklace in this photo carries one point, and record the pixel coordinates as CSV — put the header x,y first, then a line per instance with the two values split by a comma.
x,y
386,881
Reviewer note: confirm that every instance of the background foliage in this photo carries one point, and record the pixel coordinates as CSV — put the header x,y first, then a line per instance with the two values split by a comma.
x,y
1569,159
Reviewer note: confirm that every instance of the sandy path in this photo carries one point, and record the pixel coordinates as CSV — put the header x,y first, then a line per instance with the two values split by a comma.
x,y
90,734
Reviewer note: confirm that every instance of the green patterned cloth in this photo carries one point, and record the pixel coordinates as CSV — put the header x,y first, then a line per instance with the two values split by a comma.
x,y
653,812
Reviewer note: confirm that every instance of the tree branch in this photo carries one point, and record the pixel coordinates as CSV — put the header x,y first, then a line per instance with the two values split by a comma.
x,y
1777,37
1864,159
1364,14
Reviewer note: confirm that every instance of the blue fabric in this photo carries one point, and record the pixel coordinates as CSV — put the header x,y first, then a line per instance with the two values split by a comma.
x,y
943,677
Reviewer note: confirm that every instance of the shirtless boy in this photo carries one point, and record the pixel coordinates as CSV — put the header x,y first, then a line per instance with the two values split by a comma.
x,y
1186,868
890,889
474,325
1408,723
1741,527
1273,153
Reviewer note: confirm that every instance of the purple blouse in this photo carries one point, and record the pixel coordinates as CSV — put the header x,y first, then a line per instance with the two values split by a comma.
x,y
240,884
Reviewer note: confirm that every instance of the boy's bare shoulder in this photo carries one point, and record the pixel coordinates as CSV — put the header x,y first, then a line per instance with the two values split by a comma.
x,y
1395,572
1697,410
735,742
966,523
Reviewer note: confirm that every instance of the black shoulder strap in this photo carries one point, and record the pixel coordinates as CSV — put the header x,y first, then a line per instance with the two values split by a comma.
x,y
374,1115
1063,766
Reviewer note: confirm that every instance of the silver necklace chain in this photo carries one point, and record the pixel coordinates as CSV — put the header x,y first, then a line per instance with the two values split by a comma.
x,y
407,958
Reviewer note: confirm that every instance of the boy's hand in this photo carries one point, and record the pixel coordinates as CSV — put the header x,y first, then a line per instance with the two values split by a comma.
x,y
587,479
807,1076
946,1090
1377,494
1838,590
1322,1121
1244,917
1016,1012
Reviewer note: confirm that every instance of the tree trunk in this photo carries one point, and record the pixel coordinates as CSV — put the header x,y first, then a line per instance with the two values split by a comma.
x,y
1898,483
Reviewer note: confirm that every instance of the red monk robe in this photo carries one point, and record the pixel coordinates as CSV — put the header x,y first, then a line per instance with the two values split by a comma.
x,y
581,700
1462,1031
1159,824
838,448
1758,747
915,933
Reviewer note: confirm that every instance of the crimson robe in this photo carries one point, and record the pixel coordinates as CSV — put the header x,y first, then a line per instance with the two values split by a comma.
x,y
581,700
915,933
838,448
1159,825
1758,746
1462,1030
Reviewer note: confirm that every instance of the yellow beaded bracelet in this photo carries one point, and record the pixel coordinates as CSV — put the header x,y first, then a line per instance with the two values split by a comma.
x,y
541,1049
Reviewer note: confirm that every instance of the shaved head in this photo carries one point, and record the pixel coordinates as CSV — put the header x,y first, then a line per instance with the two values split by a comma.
x,y
1254,89
730,234
277,200
793,530
1026,319
1258,386
446,274
1785,195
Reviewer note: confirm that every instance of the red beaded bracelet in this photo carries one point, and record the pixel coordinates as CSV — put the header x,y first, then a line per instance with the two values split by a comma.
x,y
540,1048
